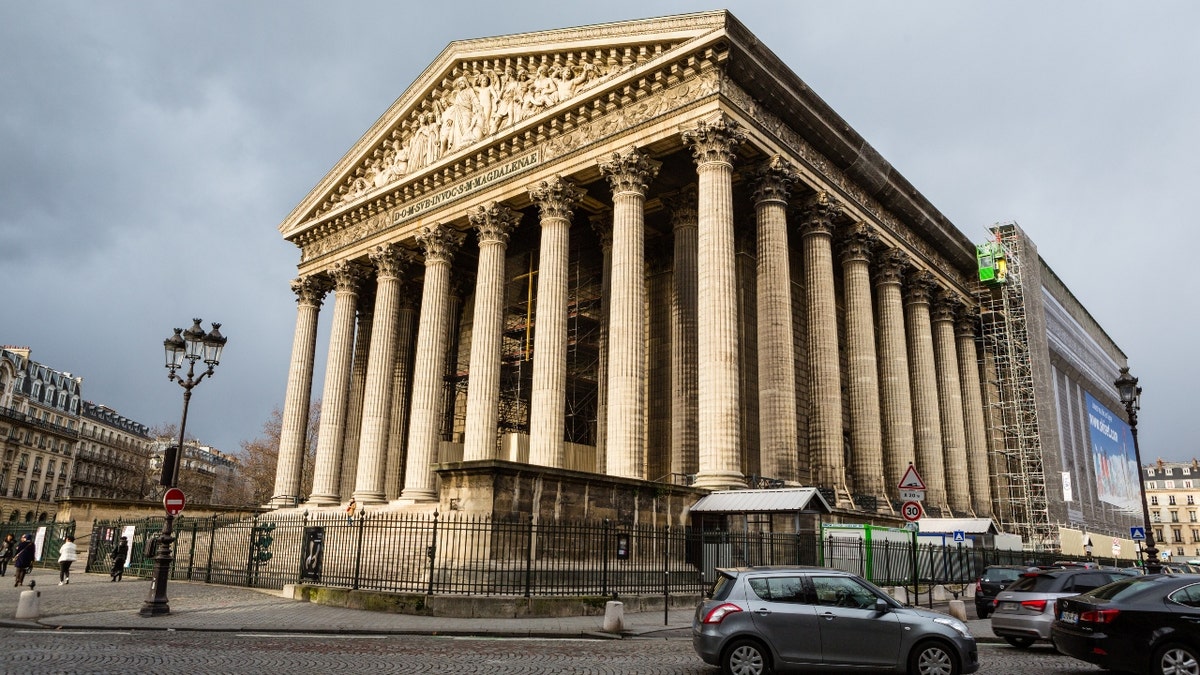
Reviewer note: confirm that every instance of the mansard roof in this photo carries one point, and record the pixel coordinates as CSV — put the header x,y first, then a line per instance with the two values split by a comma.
x,y
485,102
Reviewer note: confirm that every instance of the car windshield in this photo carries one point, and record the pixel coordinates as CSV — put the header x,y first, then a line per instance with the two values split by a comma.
x,y
1000,574
1119,590
1036,583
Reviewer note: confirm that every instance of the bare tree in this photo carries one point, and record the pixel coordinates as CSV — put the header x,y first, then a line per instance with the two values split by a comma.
x,y
260,457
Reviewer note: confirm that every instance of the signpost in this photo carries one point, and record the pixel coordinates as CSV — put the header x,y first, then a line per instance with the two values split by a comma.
x,y
912,490
173,501
911,511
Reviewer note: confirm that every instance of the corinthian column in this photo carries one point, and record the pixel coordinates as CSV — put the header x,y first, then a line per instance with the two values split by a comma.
x,y
439,243
310,291
548,400
896,396
358,381
825,428
406,329
977,449
927,419
778,442
866,436
627,173
602,224
712,145
685,429
347,277
954,436
381,365
493,223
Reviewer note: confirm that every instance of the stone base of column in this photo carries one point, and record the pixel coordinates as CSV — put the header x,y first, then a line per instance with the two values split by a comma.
x,y
719,480
368,498
324,500
414,496
282,503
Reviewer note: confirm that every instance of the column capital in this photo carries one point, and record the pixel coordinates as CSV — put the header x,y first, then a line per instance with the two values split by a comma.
x,y
947,306
347,276
439,243
819,214
921,287
966,324
494,222
684,207
556,197
714,141
859,243
602,225
389,260
893,263
310,290
773,180
630,171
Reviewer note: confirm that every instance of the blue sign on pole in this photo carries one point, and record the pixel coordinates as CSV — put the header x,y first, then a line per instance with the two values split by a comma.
x,y
959,535
1136,533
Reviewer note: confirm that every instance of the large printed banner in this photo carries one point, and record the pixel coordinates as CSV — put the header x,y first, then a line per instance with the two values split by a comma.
x,y
1117,472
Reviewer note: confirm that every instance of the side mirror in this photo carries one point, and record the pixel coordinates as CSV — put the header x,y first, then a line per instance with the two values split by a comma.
x,y
881,605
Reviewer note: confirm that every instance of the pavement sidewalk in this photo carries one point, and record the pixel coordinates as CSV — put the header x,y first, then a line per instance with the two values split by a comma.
x,y
92,601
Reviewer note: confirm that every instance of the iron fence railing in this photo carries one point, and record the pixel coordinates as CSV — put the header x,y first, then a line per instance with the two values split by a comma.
x,y
51,540
440,554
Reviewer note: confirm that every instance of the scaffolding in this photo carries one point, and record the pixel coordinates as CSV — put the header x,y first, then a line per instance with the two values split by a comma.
x,y
1015,456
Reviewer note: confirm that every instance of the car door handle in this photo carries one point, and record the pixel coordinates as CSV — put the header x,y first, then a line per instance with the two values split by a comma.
x,y
829,616
763,611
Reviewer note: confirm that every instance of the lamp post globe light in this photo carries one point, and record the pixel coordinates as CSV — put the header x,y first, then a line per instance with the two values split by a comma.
x,y
185,346
1131,394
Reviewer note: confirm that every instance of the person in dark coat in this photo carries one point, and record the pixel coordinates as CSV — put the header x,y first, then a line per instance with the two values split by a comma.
x,y
23,558
7,550
119,554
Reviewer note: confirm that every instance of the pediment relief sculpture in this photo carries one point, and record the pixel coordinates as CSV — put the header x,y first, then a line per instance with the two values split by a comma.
x,y
478,100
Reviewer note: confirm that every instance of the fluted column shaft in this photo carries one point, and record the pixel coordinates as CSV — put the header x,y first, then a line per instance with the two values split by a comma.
x,y
720,459
927,419
954,437
778,436
976,430
627,173
602,224
358,382
294,429
548,399
896,392
866,435
825,427
439,243
685,422
347,277
406,326
493,223
381,365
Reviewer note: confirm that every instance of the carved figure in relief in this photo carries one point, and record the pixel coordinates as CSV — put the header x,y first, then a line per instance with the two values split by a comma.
x,y
487,91
422,147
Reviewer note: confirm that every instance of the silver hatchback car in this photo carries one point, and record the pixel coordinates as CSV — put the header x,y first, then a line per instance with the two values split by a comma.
x,y
764,619
1024,611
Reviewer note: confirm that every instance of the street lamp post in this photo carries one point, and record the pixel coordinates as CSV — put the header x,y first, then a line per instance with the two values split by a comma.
x,y
1131,394
191,345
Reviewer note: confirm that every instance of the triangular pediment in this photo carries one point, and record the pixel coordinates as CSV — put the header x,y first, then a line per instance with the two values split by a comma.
x,y
479,92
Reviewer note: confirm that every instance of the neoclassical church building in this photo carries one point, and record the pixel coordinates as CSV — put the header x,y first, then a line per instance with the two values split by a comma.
x,y
632,261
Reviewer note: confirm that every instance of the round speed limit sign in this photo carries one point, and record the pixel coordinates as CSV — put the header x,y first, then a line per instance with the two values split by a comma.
x,y
911,511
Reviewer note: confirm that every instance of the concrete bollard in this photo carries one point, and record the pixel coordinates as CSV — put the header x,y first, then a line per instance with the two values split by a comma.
x,y
28,606
958,610
614,616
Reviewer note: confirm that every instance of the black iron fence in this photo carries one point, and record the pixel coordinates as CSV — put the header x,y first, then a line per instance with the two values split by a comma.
x,y
439,554
51,538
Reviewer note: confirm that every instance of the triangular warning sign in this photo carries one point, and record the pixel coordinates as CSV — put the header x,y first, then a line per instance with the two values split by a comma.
x,y
911,480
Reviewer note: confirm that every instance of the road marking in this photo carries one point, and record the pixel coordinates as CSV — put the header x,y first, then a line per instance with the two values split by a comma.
x,y
309,636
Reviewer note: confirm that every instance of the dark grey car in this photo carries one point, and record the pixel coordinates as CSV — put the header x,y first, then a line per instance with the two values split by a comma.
x,y
764,619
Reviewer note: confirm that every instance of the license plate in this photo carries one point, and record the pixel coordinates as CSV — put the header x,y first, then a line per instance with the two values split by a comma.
x,y
1070,617
1009,606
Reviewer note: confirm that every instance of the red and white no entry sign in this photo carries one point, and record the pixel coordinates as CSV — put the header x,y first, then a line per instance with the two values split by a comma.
x,y
173,501
911,511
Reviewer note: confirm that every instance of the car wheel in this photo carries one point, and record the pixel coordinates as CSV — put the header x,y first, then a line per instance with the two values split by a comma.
x,y
746,657
1176,659
933,658
1019,642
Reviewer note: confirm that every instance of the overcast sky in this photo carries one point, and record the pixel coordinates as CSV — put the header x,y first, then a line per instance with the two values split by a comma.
x,y
149,150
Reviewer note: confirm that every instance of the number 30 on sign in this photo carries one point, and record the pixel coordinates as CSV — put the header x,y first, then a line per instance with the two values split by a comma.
x,y
911,511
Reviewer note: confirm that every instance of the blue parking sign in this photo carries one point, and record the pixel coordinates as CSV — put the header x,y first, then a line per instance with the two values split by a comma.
x,y
959,535
1137,533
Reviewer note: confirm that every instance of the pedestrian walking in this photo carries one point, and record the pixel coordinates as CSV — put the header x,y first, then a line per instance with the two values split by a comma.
x,y
23,558
119,554
68,554
6,552
350,511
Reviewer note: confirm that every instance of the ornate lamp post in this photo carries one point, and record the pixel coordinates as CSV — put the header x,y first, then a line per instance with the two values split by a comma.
x,y
191,345
1131,394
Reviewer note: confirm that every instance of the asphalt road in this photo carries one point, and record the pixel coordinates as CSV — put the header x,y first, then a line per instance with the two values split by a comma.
x,y
98,651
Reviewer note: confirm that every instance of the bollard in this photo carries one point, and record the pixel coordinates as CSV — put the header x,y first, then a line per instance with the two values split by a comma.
x,y
27,606
958,610
614,616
